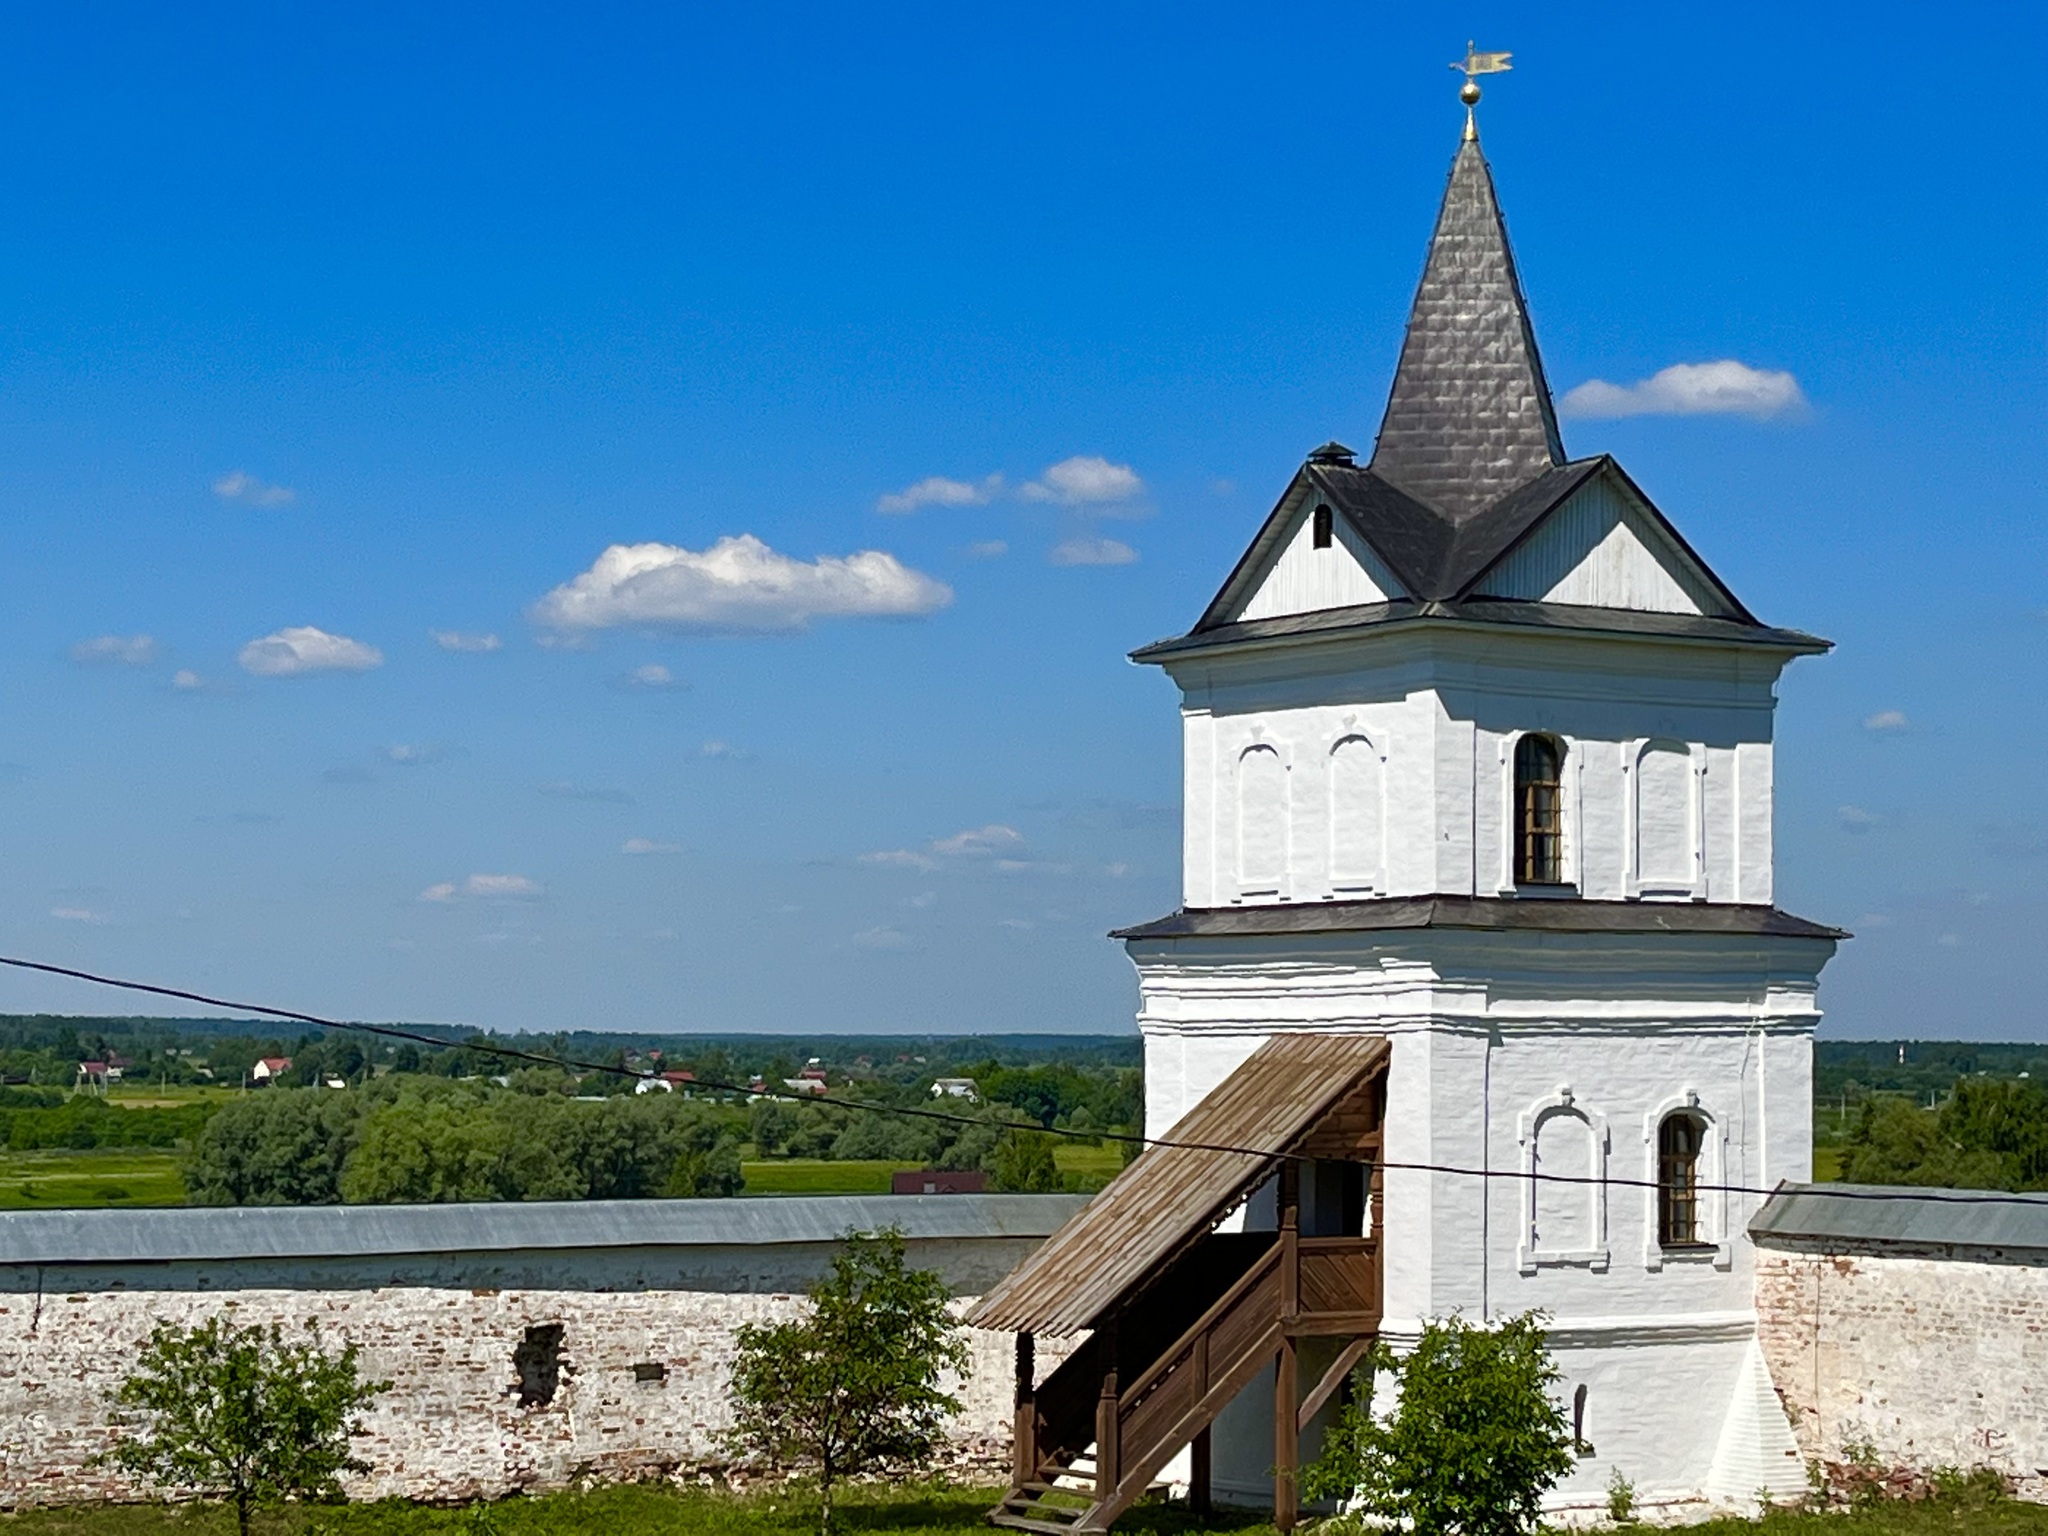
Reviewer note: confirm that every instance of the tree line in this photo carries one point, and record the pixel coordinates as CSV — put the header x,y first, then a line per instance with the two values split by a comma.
x,y
413,1140
1988,1133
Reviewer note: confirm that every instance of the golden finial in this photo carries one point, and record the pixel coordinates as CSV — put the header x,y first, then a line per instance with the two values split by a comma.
x,y
1474,64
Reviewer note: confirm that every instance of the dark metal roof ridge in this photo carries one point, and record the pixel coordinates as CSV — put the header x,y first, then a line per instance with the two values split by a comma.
x,y
1393,913
194,1234
1501,613
1905,1216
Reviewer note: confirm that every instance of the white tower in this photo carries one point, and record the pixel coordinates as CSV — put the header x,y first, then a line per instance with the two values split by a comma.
x,y
1479,757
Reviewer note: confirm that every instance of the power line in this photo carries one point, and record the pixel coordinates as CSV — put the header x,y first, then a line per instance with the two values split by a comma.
x,y
536,1058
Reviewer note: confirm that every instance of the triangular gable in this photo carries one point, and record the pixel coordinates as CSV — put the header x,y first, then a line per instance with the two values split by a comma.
x,y
1284,573
1605,546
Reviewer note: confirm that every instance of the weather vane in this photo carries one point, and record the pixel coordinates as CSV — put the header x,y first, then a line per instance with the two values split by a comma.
x,y
1475,64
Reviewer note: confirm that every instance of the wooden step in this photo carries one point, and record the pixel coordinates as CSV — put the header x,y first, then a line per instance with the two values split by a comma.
x,y
1026,1523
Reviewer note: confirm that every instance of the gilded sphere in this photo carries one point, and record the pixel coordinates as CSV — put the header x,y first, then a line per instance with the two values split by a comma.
x,y
1468,93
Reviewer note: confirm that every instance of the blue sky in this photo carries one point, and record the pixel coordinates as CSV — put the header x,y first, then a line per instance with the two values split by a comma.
x,y
324,336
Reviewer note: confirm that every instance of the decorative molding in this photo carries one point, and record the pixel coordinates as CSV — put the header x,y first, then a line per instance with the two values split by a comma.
x,y
1352,882
1713,1206
1529,1125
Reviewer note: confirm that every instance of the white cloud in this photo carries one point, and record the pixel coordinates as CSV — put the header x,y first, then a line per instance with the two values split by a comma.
x,y
907,858
417,754
938,491
1086,549
117,650
715,748
880,938
239,485
650,678
979,842
988,549
1087,479
1854,818
302,648
974,843
639,845
1887,720
1724,388
458,640
736,584
185,680
77,915
485,888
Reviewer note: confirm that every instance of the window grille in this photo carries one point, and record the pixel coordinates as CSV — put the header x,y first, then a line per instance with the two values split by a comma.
x,y
1539,812
1678,1182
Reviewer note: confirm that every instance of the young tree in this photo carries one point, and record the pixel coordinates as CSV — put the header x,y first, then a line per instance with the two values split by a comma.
x,y
854,1384
241,1413
1023,1164
1473,1444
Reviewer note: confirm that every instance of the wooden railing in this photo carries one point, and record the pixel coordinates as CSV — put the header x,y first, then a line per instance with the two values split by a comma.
x,y
1295,1287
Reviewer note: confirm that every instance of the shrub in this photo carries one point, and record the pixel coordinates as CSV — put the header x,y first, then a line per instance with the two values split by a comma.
x,y
241,1413
1473,1444
854,1385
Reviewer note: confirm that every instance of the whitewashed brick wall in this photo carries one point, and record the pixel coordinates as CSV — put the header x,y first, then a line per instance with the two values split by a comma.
x,y
451,1427
1933,1356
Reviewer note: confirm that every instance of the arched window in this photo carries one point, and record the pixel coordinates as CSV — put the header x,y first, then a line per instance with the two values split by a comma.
x,y
1679,1140
1320,526
1539,811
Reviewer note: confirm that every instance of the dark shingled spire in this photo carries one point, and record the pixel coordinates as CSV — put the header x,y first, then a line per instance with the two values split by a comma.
x,y
1469,418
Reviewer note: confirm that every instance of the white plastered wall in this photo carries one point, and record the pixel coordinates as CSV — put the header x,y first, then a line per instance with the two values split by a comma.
x,y
1443,710
1488,1028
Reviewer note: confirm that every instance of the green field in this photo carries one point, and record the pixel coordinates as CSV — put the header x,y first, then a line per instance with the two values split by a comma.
x,y
113,1176
1089,1168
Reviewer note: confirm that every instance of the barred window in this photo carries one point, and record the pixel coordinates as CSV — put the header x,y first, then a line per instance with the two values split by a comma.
x,y
1539,811
1678,1181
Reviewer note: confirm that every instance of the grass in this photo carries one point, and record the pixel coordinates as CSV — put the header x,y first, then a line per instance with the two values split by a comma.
x,y
1827,1164
934,1509
96,1179
628,1510
818,1176
1085,1168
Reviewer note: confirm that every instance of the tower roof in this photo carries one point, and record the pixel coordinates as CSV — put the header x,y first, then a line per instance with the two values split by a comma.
x,y
1469,417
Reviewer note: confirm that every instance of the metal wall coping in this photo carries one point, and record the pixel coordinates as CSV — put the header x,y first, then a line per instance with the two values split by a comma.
x,y
1904,1215
186,1234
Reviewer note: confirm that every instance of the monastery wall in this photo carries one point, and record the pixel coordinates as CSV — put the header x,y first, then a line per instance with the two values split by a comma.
x,y
1931,1355
519,1369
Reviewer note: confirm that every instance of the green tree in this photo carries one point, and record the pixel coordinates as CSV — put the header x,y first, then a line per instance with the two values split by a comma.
x,y
241,1413
1471,1447
1023,1164
855,1384
1896,1142
284,1146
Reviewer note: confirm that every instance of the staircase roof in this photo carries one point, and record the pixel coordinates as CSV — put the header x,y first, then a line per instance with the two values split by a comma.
x,y
1182,1185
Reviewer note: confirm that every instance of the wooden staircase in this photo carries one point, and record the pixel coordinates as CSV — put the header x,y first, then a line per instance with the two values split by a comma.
x,y
1088,1446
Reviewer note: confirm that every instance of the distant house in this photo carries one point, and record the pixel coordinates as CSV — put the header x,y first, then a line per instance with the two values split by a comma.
x,y
956,1088
805,1082
270,1068
938,1181
654,1085
92,1076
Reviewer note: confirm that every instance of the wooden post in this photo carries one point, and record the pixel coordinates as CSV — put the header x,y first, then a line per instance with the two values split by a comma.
x,y
1107,1447
1199,1504
1024,1445
1287,1372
